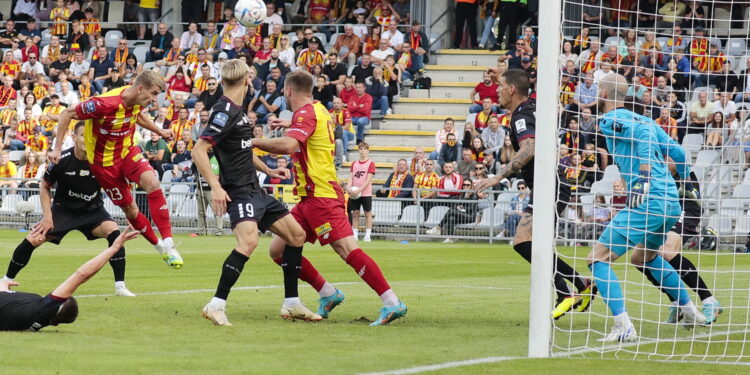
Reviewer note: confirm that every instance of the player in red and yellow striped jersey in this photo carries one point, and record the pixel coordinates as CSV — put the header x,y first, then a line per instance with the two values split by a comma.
x,y
115,159
321,211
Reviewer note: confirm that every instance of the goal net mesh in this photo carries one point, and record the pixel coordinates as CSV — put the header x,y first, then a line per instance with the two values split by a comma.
x,y
687,68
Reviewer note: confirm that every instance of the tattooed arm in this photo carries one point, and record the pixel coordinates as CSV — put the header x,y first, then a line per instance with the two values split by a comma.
x,y
520,159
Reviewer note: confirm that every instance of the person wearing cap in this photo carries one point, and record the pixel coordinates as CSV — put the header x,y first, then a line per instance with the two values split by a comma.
x,y
311,55
114,81
62,64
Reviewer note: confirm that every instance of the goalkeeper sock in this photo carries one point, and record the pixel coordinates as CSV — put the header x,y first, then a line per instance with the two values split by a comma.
x,y
310,275
230,272
159,209
689,274
20,258
653,281
143,225
291,265
117,262
561,287
668,278
609,287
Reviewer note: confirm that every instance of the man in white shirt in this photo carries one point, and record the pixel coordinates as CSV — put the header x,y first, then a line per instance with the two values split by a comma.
x,y
378,56
360,29
271,17
78,67
31,69
67,96
394,37
190,37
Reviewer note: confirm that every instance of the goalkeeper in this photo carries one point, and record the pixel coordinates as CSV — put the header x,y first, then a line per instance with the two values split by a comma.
x,y
653,209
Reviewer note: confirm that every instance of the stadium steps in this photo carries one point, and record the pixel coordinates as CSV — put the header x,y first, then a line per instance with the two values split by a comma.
x,y
431,106
482,58
455,73
450,90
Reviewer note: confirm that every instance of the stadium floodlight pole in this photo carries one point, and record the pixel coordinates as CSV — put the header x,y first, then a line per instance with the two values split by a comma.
x,y
540,326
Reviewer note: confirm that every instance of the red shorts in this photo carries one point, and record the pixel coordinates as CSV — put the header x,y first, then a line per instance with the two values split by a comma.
x,y
115,179
324,219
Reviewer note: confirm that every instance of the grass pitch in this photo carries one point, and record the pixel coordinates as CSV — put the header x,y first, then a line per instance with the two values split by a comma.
x,y
466,302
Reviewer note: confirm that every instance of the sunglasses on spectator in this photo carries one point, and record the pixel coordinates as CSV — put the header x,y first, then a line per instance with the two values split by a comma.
x,y
467,184
478,168
308,33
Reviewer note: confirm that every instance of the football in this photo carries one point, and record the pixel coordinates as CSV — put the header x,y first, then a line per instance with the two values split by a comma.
x,y
355,192
250,13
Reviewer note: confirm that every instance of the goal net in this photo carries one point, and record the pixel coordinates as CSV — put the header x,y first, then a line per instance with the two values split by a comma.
x,y
687,69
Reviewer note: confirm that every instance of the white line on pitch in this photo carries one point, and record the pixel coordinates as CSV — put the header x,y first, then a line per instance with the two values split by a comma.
x,y
442,366
281,286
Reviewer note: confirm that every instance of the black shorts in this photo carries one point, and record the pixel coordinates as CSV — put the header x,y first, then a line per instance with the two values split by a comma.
x,y
562,199
66,220
363,202
256,206
686,228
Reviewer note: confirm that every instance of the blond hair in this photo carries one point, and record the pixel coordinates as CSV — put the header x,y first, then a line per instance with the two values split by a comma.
x,y
149,78
234,72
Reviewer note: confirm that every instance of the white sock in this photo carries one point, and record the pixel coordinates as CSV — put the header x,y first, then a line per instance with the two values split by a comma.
x,y
159,247
218,303
120,285
327,290
5,279
623,319
389,298
368,231
168,242
356,233
710,300
289,302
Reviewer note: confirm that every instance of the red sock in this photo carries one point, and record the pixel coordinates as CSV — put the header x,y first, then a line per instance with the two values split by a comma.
x,y
141,224
368,270
308,274
160,212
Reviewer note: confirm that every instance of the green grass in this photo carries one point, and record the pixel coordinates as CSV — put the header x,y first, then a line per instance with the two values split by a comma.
x,y
466,301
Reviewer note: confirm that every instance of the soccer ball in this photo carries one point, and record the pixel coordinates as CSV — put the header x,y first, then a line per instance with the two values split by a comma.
x,y
250,13
355,192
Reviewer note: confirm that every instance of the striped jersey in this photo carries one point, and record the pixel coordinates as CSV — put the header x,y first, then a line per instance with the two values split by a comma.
x,y
314,171
109,127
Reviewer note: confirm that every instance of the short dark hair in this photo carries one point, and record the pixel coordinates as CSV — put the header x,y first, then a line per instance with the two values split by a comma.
x,y
299,81
79,124
518,78
67,314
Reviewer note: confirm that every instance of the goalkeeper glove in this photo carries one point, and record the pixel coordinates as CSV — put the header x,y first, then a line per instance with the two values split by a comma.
x,y
639,190
689,190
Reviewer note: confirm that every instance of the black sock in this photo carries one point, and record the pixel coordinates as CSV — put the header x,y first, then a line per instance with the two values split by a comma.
x,y
689,274
566,271
291,264
117,262
20,258
230,272
561,288
653,280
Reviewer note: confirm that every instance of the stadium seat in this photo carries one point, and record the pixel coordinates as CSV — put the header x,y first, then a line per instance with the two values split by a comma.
x,y
140,54
600,187
189,208
587,202
333,40
491,217
177,194
746,179
732,207
711,191
436,215
35,200
742,191
471,117
166,178
412,216
503,200
611,173
16,156
611,41
112,37
9,204
322,38
693,142
385,211
736,47
721,223
46,36
742,227
662,41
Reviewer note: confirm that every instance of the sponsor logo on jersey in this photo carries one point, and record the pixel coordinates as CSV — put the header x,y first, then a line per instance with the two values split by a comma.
x,y
71,173
220,119
520,125
323,230
84,172
246,143
300,119
89,106
138,157
113,134
82,196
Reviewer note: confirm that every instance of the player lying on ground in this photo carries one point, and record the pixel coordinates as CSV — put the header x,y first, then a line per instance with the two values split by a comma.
x,y
78,206
238,191
116,160
321,211
513,95
31,312
652,210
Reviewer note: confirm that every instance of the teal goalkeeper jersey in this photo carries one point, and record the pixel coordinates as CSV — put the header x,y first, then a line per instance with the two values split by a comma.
x,y
633,140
